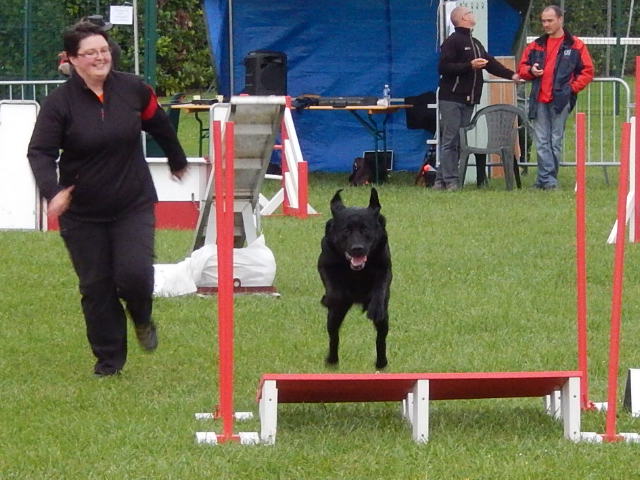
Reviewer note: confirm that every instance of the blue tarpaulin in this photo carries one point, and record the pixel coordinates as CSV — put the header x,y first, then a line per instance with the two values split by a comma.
x,y
345,48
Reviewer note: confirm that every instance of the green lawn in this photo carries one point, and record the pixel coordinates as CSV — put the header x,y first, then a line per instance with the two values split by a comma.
x,y
484,280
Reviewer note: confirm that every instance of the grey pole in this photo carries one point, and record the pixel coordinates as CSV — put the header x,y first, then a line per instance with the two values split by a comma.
x,y
232,86
136,45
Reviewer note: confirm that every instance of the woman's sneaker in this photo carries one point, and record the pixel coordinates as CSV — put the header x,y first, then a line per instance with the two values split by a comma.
x,y
101,371
147,336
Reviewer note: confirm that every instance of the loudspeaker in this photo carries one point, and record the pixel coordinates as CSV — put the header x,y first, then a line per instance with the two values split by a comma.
x,y
265,73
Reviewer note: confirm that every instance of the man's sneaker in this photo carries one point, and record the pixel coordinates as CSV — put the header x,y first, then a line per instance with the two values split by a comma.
x,y
545,186
438,186
452,187
147,336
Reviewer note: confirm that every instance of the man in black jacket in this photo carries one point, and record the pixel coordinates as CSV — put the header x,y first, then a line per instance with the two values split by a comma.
x,y
462,59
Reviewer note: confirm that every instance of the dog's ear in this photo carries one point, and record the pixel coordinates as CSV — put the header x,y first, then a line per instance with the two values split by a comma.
x,y
336,203
328,227
374,203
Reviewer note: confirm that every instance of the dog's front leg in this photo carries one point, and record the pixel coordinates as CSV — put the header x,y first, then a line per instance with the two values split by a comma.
x,y
378,304
378,312
335,317
382,328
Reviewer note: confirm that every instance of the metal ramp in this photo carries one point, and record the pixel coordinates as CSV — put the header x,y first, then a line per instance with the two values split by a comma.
x,y
257,121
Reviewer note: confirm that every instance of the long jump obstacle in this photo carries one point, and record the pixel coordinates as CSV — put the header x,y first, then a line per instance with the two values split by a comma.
x,y
415,390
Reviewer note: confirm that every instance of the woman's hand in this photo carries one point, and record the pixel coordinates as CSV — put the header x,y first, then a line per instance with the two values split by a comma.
x,y
60,203
179,174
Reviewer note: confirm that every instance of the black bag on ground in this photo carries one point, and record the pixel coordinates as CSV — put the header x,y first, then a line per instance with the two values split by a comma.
x,y
361,174
363,171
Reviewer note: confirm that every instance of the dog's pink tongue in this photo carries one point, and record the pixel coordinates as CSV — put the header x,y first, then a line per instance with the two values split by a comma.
x,y
358,262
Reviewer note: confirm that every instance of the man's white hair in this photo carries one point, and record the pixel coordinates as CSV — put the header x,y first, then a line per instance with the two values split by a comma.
x,y
457,14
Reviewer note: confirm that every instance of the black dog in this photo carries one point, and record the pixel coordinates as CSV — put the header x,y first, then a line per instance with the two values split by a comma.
x,y
355,267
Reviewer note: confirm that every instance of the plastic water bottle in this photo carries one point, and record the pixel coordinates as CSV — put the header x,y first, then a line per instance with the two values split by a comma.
x,y
386,94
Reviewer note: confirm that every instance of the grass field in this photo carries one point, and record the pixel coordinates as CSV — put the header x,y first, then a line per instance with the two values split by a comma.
x,y
484,280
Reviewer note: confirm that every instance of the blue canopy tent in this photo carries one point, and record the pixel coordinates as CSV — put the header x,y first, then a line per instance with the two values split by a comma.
x,y
346,48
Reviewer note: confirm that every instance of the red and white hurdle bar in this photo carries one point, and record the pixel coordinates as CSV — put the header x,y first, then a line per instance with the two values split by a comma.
x,y
581,261
224,183
632,215
610,435
294,194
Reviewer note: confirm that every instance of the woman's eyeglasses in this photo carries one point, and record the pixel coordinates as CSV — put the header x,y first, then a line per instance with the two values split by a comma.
x,y
95,53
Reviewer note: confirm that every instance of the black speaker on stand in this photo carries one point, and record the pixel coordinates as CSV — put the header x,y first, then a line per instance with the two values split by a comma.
x,y
265,73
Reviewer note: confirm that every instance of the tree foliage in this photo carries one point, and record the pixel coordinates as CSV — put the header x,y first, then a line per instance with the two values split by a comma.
x,y
183,55
31,37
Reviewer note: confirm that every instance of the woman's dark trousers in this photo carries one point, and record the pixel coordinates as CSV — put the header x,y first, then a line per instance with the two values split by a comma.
x,y
114,262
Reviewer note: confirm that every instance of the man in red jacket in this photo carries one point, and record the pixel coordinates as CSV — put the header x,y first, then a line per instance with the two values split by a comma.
x,y
560,66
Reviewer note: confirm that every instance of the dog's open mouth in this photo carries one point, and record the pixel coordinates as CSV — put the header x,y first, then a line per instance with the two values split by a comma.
x,y
356,263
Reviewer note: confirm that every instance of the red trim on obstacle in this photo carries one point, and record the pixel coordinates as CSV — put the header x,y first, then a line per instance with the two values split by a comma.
x,y
581,259
284,169
616,294
170,215
388,387
302,210
303,190
177,215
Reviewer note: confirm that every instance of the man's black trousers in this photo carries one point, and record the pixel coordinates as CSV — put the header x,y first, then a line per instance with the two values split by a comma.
x,y
114,262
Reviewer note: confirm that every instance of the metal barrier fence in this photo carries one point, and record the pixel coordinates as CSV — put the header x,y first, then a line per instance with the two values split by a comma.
x,y
606,102
27,89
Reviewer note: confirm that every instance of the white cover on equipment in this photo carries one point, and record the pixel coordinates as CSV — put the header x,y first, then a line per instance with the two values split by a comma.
x,y
253,266
19,198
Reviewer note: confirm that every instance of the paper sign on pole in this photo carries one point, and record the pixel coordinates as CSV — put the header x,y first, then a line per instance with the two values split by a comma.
x,y
121,14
